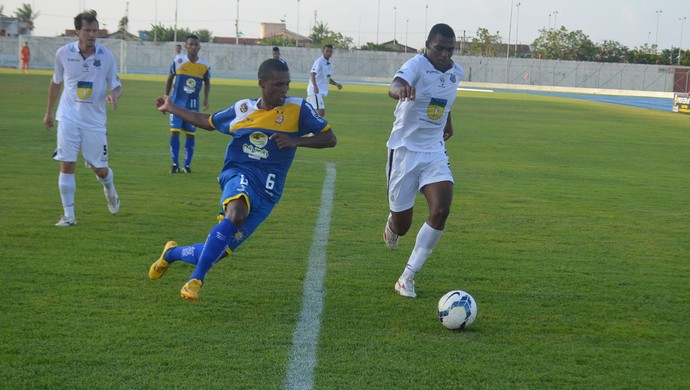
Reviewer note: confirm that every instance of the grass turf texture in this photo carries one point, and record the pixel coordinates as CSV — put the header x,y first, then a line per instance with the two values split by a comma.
x,y
569,227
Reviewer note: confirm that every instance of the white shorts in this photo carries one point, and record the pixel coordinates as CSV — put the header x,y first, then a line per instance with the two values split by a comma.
x,y
316,100
409,171
92,142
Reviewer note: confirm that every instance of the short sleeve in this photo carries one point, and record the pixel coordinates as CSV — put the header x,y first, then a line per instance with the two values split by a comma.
x,y
409,71
221,120
310,121
58,75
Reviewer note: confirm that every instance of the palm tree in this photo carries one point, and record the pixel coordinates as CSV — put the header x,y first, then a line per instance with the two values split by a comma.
x,y
123,25
26,15
319,33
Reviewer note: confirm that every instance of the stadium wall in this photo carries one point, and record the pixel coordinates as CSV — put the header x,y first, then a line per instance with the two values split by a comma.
x,y
240,61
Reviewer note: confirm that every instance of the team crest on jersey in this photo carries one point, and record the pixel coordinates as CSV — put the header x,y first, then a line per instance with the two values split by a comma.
x,y
97,63
436,108
281,115
453,79
190,86
84,89
243,108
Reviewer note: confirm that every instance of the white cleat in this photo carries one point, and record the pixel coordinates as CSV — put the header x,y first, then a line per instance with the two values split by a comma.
x,y
113,202
405,288
65,221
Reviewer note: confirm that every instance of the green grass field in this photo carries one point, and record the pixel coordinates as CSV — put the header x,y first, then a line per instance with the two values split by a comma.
x,y
570,227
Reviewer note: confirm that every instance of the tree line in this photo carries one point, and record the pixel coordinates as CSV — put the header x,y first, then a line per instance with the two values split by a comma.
x,y
561,44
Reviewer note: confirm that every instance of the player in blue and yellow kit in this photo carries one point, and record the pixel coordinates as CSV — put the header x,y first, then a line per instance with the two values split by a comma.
x,y
189,72
265,134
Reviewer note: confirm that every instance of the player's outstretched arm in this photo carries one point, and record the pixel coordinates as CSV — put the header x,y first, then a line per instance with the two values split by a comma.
x,y
198,119
401,90
322,140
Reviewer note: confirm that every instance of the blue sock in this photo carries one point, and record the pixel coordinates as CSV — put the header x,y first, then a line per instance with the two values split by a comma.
x,y
175,150
189,254
188,151
218,239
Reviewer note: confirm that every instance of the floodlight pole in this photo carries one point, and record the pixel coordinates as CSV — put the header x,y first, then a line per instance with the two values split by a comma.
x,y
656,40
297,37
680,45
155,17
517,26
237,24
395,26
378,18
510,28
407,23
175,32
426,21
549,20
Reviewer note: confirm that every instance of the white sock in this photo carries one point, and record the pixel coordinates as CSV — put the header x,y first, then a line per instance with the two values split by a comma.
x,y
427,238
108,182
68,186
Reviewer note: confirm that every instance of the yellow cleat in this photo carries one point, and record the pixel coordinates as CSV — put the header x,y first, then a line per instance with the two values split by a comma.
x,y
190,290
161,265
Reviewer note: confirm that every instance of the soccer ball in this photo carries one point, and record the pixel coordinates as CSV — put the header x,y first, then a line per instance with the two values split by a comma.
x,y
457,309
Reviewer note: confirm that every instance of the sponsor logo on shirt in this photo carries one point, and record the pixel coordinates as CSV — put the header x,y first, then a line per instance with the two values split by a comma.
x,y
258,139
190,86
84,89
256,150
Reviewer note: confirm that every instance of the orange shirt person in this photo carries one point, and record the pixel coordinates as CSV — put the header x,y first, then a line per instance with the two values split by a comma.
x,y
26,56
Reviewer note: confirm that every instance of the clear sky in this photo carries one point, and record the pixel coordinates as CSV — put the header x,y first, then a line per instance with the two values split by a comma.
x,y
632,23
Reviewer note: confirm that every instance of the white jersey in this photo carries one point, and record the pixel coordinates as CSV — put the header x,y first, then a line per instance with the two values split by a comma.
x,y
179,59
323,70
419,124
87,82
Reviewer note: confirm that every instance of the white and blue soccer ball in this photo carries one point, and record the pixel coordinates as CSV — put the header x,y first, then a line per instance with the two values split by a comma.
x,y
457,309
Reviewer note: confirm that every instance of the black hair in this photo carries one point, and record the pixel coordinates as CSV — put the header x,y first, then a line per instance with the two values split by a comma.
x,y
275,48
191,36
443,30
269,66
88,16
327,46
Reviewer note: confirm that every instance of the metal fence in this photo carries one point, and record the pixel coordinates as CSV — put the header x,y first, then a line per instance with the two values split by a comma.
x,y
572,74
238,61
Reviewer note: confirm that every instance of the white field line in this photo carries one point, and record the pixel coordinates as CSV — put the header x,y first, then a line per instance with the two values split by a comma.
x,y
300,370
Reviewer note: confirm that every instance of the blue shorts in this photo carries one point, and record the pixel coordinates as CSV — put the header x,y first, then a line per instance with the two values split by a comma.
x,y
177,125
236,185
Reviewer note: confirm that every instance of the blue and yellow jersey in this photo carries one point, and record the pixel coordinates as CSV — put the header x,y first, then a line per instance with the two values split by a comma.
x,y
252,152
189,79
